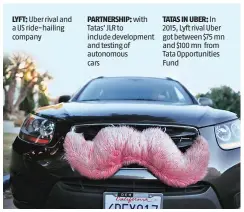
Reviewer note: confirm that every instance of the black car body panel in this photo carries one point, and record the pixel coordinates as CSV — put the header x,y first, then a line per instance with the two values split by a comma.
x,y
111,111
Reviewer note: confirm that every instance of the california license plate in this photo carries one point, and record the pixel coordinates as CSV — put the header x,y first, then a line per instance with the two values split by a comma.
x,y
126,200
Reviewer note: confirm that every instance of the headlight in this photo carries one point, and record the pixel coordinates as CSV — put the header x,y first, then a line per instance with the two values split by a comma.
x,y
37,130
228,134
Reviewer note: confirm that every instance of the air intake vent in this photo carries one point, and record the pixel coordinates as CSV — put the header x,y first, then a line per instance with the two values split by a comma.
x,y
183,136
122,185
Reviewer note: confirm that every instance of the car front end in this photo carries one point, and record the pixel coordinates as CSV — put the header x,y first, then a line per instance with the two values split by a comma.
x,y
42,177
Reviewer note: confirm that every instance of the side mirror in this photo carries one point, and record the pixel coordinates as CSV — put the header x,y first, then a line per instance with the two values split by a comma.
x,y
64,98
204,101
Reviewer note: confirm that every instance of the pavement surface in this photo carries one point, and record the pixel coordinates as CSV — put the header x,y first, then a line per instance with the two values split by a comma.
x,y
8,127
8,204
8,200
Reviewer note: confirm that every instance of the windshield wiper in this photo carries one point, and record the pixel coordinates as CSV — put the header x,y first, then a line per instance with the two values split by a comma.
x,y
139,99
87,100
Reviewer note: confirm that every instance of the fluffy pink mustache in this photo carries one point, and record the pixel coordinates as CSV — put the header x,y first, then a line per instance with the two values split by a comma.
x,y
114,147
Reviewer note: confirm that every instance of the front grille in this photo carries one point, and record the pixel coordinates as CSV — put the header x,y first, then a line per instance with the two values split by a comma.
x,y
128,185
183,136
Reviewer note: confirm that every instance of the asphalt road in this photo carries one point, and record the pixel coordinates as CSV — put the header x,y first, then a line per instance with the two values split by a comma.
x,y
8,200
8,127
8,204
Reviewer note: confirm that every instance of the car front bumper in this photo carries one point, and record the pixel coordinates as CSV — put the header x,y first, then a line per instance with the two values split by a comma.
x,y
32,190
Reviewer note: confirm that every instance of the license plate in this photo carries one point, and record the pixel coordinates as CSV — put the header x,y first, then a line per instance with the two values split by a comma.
x,y
126,200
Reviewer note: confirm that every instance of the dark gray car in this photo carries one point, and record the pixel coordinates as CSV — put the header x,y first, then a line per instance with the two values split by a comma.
x,y
42,178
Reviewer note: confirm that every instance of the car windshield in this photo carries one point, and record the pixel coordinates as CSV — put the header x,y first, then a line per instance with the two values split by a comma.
x,y
144,89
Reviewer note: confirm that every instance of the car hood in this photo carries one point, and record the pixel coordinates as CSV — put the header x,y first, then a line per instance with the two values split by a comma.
x,y
135,111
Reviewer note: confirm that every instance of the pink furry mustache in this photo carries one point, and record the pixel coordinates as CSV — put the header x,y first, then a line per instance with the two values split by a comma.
x,y
152,148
